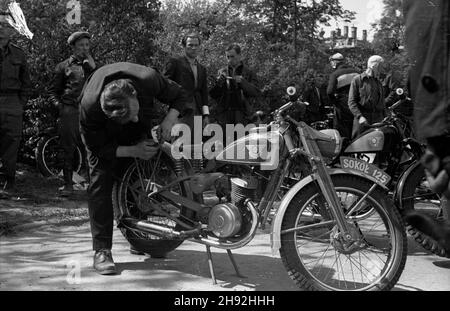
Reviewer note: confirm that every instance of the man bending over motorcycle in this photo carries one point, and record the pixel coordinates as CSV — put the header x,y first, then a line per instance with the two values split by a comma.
x,y
115,111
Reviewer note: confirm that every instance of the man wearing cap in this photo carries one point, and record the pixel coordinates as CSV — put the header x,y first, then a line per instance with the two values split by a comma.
x,y
15,87
114,121
337,91
64,91
366,97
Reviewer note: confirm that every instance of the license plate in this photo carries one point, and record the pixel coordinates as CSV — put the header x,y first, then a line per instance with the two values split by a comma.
x,y
365,168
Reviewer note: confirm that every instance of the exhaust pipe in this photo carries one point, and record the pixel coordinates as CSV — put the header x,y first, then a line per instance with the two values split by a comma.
x,y
135,224
164,232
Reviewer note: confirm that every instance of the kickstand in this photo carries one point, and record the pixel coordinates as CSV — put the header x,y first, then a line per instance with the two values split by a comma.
x,y
234,264
210,262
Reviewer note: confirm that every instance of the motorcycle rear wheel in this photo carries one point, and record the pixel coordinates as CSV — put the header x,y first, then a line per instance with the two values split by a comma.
x,y
378,263
127,201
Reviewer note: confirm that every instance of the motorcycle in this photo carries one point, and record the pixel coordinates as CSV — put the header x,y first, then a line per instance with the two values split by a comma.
x,y
324,241
390,145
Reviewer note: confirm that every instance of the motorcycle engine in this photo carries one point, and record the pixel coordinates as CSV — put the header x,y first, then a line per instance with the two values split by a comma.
x,y
233,219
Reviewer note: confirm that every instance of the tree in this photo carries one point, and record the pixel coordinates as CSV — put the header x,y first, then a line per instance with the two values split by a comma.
x,y
121,31
390,28
389,37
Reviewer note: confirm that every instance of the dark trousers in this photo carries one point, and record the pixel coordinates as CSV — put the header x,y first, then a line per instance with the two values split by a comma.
x,y
11,114
232,117
69,132
102,175
343,122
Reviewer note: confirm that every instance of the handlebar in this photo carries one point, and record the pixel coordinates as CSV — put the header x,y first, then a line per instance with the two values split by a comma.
x,y
398,103
288,106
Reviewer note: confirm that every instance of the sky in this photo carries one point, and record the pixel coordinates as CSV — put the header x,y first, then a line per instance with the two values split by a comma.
x,y
367,12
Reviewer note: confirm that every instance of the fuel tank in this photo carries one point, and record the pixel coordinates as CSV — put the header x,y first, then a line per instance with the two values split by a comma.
x,y
375,140
261,147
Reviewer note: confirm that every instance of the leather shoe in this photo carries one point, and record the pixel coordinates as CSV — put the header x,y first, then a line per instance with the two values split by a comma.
x,y
103,262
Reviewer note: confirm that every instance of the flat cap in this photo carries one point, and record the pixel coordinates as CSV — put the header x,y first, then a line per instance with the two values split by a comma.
x,y
77,36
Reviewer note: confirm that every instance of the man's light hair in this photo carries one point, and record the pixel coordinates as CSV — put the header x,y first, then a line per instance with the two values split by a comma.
x,y
115,99
374,60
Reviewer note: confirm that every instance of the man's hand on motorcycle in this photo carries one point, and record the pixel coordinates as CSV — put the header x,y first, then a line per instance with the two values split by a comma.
x,y
146,149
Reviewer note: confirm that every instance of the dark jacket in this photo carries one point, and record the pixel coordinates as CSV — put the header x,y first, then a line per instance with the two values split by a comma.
x,y
14,73
179,70
99,133
366,98
427,41
338,88
390,84
314,111
68,81
233,96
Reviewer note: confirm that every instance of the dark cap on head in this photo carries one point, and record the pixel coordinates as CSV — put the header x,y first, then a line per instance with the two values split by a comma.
x,y
77,36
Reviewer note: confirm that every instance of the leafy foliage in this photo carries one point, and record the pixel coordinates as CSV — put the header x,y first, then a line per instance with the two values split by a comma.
x,y
121,31
279,39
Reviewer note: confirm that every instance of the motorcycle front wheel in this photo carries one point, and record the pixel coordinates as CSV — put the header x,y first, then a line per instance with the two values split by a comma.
x,y
315,256
129,199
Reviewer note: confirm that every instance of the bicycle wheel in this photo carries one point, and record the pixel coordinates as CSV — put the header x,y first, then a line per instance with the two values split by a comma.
x,y
50,157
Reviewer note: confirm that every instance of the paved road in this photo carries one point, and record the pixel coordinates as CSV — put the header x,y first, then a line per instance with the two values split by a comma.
x,y
60,258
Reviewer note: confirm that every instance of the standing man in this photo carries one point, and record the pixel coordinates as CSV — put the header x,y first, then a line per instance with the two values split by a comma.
x,y
337,91
192,76
314,112
366,98
65,89
427,37
15,86
234,86
114,121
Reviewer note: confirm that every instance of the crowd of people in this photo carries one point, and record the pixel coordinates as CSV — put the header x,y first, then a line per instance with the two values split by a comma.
x,y
109,109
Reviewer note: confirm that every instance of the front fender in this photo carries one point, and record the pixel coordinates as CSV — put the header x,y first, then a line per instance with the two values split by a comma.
x,y
275,236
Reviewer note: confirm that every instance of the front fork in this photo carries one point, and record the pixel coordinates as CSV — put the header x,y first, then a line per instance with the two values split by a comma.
x,y
326,184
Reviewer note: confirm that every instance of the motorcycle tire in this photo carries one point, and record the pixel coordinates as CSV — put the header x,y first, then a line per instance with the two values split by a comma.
x,y
412,183
50,157
153,245
295,256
